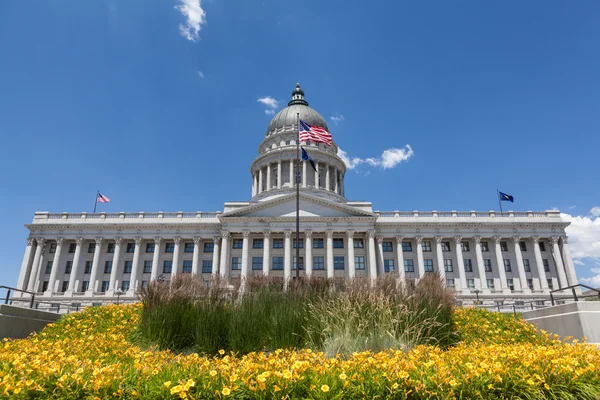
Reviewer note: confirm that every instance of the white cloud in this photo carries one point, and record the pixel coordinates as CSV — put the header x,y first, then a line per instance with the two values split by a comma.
x,y
572,207
584,243
337,118
271,104
200,73
270,112
595,211
389,158
194,15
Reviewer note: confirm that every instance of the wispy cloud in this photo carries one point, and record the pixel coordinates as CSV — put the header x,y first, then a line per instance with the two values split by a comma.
x,y
595,211
584,243
390,158
200,73
270,103
337,118
572,207
194,15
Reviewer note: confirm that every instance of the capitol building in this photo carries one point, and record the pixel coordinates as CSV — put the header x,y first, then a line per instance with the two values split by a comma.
x,y
88,258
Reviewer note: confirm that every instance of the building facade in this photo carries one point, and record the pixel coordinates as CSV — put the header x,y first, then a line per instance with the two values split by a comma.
x,y
86,258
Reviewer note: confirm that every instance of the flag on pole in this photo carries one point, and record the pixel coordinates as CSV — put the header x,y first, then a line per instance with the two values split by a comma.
x,y
506,197
306,157
313,133
102,198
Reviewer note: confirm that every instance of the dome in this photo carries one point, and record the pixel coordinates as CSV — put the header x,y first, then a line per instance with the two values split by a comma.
x,y
287,116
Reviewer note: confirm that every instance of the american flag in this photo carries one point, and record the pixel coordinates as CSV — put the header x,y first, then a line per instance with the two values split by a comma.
x,y
102,198
314,134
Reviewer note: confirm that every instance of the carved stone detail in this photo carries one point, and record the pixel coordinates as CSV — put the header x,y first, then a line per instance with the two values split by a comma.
x,y
40,241
177,240
379,239
419,239
329,233
30,241
157,240
118,240
308,234
516,239
371,233
565,240
138,241
399,239
535,239
477,239
79,240
554,240
287,233
497,239
350,234
246,234
98,240
197,240
458,240
59,241
438,239
225,234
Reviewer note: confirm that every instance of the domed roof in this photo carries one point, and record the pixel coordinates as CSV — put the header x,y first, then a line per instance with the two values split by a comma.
x,y
287,117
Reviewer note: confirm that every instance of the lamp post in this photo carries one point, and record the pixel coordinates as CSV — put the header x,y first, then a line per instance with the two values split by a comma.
x,y
118,292
477,294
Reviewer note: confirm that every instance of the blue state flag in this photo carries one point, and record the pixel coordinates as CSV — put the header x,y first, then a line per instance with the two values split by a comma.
x,y
506,197
306,157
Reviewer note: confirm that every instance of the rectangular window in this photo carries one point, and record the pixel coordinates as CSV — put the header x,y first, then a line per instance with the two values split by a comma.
x,y
68,267
147,266
510,284
338,262
72,247
209,247
65,286
91,247
445,246
301,263
187,266
278,243
88,267
487,264
468,265
302,243
150,247
507,265
125,286
167,267
318,263
144,284
44,286
503,246
490,283
107,267
465,246
359,244
317,243
485,246
169,247
236,263
388,265
206,266
526,265
128,266
450,282
523,246
258,244
257,263
428,265
550,286
387,246
130,248
238,243
110,248
359,262
409,266
104,287
471,283
546,265
338,243
530,283
406,246
278,264
188,248
426,245
52,248
48,267
85,285
542,246
448,265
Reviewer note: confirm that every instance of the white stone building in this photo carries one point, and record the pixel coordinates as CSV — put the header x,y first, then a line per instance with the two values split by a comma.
x,y
85,258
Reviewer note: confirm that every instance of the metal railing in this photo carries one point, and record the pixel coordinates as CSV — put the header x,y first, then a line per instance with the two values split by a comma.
x,y
575,297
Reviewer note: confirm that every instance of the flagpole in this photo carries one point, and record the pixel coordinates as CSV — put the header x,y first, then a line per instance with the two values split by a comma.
x,y
298,198
499,202
96,201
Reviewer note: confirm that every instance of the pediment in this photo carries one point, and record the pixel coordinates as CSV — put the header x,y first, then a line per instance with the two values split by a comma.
x,y
310,207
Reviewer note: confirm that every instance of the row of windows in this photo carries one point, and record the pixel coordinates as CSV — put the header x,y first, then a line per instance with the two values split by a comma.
x,y
85,285
490,283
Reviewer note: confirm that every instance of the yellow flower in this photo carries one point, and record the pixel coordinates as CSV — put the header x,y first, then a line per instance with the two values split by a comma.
x,y
221,352
395,386
167,384
325,388
343,376
213,373
287,374
226,391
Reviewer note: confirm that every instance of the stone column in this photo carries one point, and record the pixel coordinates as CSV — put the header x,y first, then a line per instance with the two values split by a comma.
x,y
400,258
480,267
115,266
539,263
329,236
175,268
520,267
55,267
260,181
25,273
95,267
35,268
292,180
351,266
380,266
372,257
335,177
75,267
155,258
279,179
461,266
268,176
215,259
420,262
253,185
287,255
327,177
342,183
562,277
303,174
196,256
568,262
135,268
266,252
317,174
440,257
308,262
246,236
224,265
500,263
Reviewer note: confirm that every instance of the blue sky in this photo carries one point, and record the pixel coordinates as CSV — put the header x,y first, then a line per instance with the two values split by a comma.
x,y
156,104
